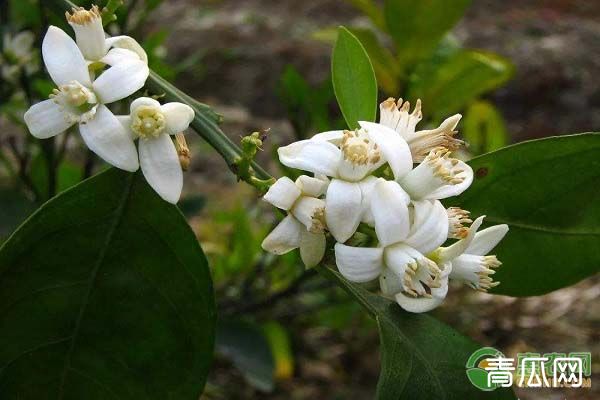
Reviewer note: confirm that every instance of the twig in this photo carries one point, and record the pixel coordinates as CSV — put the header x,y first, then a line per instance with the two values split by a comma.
x,y
270,301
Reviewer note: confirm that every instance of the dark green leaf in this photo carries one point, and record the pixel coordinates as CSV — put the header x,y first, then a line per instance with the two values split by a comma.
x,y
451,79
105,294
14,208
247,347
547,192
418,26
354,80
484,128
421,358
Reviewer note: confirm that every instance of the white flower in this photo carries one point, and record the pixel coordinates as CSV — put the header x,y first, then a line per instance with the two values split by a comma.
x,y
152,123
406,232
304,225
396,115
360,152
92,40
78,100
17,53
469,259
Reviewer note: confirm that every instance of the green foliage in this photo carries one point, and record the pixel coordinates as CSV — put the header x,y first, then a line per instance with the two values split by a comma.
x,y
354,80
453,77
106,294
418,26
422,358
547,192
247,347
484,128
67,174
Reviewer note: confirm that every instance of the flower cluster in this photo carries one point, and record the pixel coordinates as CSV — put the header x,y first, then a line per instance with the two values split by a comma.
x,y
389,178
94,71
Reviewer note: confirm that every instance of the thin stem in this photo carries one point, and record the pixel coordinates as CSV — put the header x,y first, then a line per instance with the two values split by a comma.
x,y
270,301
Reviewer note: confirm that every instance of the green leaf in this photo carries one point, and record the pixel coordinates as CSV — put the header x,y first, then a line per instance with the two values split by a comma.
x,y
105,294
247,347
421,358
14,208
547,192
484,128
354,80
67,174
279,341
418,26
452,78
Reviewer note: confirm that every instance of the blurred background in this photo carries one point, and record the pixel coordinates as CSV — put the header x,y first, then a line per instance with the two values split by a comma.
x,y
264,65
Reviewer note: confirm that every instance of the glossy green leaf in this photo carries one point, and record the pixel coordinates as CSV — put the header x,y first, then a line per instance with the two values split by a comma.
x,y
247,347
547,192
447,82
421,358
354,80
105,294
484,128
418,26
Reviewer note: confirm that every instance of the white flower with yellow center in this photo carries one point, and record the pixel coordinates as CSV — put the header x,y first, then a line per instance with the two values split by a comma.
x,y
79,100
469,259
95,46
153,123
349,157
406,231
395,115
304,225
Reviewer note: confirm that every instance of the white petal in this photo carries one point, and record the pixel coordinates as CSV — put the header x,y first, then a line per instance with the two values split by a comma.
x,y
120,81
283,193
394,148
115,56
430,226
423,304
160,164
178,117
143,101
105,136
312,248
451,252
63,59
312,156
366,187
389,282
45,119
125,121
454,190
129,43
310,186
285,237
485,240
334,137
343,209
397,257
309,211
90,38
389,206
358,264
